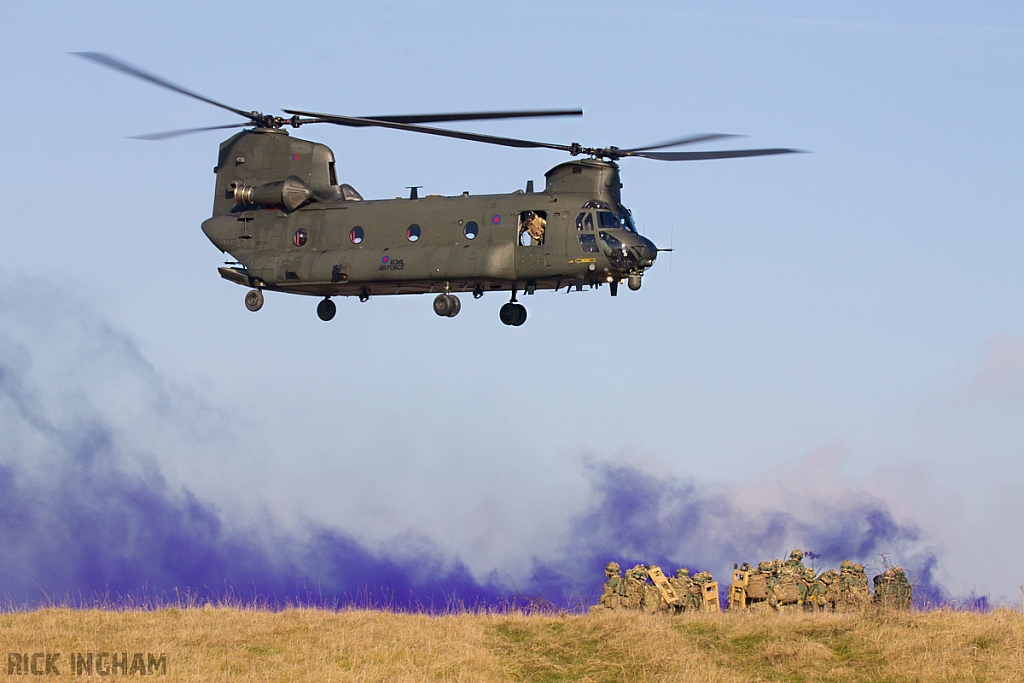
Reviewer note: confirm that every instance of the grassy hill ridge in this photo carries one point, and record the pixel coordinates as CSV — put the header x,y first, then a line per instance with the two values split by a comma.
x,y
317,645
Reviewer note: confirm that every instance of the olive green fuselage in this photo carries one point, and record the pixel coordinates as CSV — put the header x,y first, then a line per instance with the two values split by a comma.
x,y
336,244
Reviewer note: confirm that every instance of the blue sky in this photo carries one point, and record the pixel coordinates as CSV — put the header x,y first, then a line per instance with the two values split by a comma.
x,y
841,323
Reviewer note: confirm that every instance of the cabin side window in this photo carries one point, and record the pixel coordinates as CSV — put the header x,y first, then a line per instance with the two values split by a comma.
x,y
532,225
585,221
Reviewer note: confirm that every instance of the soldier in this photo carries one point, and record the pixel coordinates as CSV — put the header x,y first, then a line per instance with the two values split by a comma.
x,y
635,587
829,579
860,588
682,584
794,563
533,225
903,589
614,588
883,588
699,580
806,588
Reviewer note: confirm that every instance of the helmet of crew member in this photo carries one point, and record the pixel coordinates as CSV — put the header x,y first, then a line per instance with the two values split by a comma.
x,y
796,555
682,573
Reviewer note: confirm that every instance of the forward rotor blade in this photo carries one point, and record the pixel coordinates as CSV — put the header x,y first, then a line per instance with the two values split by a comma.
x,y
185,131
442,132
124,67
701,156
475,116
682,141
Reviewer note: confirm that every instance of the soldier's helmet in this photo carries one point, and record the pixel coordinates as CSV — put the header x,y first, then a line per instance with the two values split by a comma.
x,y
765,566
745,567
683,573
612,568
859,568
846,565
898,571
797,555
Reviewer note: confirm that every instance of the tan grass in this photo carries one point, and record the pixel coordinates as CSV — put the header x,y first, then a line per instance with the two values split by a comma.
x,y
230,644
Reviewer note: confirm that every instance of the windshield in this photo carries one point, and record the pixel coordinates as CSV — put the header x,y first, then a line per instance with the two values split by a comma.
x,y
626,216
607,219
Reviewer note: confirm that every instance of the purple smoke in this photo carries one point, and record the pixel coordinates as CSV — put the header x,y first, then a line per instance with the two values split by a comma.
x,y
102,521
91,529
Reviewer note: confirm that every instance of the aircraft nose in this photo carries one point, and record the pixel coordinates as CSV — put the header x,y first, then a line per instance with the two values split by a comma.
x,y
647,251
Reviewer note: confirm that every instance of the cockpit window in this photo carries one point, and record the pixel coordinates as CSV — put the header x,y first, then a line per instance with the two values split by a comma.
x,y
585,221
597,204
607,219
626,216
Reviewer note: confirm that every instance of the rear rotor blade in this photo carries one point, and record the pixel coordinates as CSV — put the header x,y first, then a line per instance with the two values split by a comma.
x,y
186,131
442,132
124,67
701,156
682,141
475,116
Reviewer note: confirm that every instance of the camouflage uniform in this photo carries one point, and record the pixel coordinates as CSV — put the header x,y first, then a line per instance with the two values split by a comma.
x,y
635,587
683,586
699,579
829,579
794,563
789,585
854,593
614,589
892,589
861,589
904,591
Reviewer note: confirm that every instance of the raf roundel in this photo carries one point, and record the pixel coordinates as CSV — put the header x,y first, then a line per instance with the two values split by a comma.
x,y
496,219
385,259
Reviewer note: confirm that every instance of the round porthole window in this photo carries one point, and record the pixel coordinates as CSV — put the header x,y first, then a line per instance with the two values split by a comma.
x,y
413,233
356,236
300,238
472,230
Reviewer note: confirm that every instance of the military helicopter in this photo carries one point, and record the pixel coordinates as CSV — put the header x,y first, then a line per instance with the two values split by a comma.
x,y
290,226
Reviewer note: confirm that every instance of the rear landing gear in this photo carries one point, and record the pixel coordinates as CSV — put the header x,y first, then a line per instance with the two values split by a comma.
x,y
447,305
254,300
326,309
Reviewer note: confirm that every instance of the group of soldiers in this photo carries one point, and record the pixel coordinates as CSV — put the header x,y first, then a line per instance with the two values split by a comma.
x,y
647,589
779,584
775,585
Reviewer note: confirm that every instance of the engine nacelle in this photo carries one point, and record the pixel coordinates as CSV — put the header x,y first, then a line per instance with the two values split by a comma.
x,y
288,194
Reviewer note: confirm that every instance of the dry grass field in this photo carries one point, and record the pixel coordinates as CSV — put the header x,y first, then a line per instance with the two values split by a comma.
x,y
230,644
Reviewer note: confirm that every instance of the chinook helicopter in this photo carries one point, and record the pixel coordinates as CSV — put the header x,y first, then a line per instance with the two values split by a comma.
x,y
290,226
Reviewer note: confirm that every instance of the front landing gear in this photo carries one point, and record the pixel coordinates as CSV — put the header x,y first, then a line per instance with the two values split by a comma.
x,y
254,300
326,309
447,305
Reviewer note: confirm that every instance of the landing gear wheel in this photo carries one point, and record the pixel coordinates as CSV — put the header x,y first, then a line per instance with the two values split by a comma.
x,y
443,305
512,314
254,300
456,306
326,310
507,313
